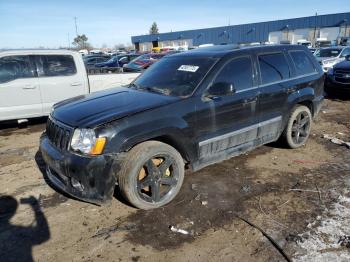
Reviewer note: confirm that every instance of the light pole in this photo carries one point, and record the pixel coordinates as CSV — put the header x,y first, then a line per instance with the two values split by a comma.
x,y
76,27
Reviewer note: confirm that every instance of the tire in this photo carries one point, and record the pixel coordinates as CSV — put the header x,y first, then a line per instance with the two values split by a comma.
x,y
151,175
298,127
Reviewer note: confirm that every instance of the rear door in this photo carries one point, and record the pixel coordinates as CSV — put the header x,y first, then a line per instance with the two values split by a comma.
x,y
59,78
227,122
19,88
275,78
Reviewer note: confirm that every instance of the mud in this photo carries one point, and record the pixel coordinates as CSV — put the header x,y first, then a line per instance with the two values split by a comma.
x,y
290,194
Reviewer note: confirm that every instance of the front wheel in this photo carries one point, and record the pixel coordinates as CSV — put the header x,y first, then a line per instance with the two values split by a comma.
x,y
298,128
151,175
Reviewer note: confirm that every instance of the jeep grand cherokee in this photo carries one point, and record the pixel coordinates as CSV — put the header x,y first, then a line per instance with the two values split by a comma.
x,y
189,110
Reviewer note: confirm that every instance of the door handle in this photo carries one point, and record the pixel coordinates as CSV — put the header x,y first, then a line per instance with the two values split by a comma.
x,y
249,100
76,84
291,90
29,87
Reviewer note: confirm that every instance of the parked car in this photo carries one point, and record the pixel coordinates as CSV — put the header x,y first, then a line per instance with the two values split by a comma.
x,y
330,56
338,77
83,52
117,61
31,81
304,42
142,62
92,60
191,109
312,50
323,42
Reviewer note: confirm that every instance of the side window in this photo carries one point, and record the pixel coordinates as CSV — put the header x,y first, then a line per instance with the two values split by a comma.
x,y
302,62
237,72
100,60
345,52
58,65
123,59
273,67
15,67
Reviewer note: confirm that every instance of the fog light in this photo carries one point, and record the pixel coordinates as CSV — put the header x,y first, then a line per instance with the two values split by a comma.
x,y
76,184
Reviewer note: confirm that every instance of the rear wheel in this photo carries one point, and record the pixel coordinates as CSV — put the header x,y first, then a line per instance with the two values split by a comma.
x,y
151,175
298,128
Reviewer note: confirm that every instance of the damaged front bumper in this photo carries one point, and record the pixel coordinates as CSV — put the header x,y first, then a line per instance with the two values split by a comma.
x,y
91,179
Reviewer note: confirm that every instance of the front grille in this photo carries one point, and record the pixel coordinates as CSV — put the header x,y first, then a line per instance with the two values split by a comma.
x,y
342,76
58,134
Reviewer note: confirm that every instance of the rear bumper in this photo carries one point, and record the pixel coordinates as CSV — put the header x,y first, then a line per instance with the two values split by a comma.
x,y
91,179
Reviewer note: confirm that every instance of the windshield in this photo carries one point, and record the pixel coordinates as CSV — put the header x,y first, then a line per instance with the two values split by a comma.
x,y
174,76
113,59
329,52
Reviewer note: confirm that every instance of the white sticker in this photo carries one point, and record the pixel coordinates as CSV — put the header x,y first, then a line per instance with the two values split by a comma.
x,y
188,68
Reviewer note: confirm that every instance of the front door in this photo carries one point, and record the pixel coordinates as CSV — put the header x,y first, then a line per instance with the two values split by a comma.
x,y
59,79
19,88
227,122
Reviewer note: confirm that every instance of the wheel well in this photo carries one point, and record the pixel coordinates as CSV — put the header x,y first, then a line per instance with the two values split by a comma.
x,y
173,143
309,105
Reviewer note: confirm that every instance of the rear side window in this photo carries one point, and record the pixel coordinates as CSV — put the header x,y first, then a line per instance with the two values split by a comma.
x,y
15,67
302,62
237,72
57,65
273,68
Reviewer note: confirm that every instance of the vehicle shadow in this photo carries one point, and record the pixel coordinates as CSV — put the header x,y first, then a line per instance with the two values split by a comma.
x,y
32,124
16,241
337,95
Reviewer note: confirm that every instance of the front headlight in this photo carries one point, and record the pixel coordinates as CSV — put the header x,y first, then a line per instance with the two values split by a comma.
x,y
85,141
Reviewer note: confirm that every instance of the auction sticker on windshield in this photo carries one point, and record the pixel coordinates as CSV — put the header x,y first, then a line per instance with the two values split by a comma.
x,y
188,68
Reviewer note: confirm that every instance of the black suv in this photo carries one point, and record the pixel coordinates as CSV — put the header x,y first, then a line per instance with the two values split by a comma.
x,y
190,110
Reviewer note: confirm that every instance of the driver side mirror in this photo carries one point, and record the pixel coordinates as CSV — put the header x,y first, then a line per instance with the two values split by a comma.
x,y
347,57
221,89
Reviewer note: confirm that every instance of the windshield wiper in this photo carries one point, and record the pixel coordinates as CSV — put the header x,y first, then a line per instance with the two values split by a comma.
x,y
149,89
134,85
157,90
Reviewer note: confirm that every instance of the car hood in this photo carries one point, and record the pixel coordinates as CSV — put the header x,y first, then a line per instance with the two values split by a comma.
x,y
343,65
105,106
325,58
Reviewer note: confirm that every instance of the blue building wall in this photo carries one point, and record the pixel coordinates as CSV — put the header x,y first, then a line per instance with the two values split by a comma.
x,y
254,32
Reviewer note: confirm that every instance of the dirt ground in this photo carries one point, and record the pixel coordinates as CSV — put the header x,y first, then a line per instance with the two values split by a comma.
x,y
299,198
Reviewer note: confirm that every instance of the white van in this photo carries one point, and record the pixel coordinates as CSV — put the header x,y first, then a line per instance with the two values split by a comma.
x,y
31,81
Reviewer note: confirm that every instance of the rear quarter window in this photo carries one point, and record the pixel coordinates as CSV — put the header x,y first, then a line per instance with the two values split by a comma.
x,y
303,64
57,65
273,67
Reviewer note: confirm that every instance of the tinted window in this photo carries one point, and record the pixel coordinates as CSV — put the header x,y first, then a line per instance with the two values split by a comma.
x,y
14,67
237,72
58,65
302,63
273,67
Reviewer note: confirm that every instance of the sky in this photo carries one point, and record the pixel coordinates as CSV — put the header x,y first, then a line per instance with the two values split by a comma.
x,y
50,23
